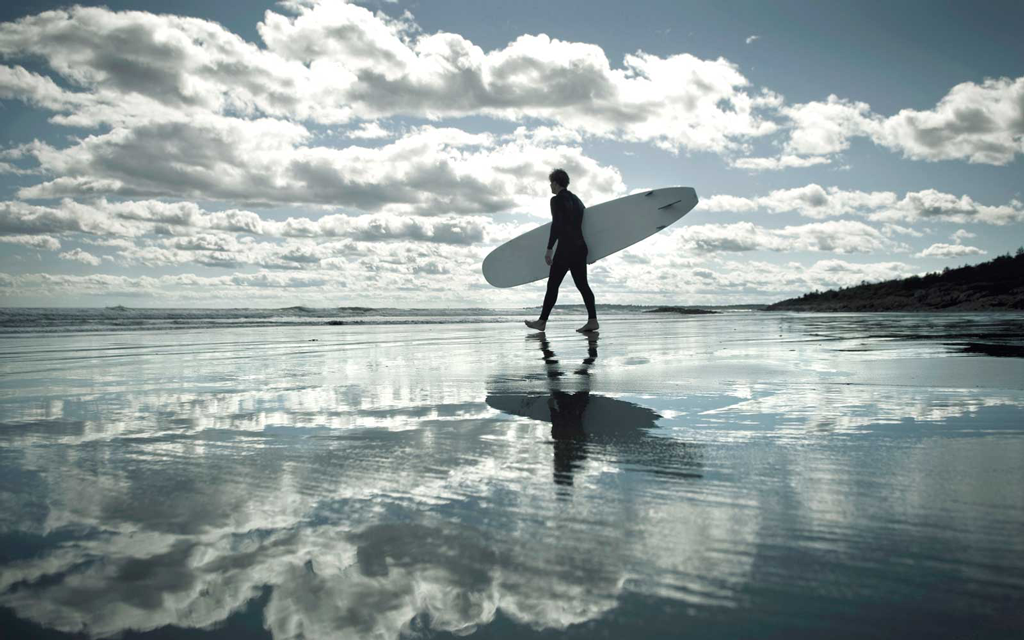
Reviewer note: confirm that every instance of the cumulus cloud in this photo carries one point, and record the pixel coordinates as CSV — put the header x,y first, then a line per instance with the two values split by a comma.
x,y
333,62
812,201
33,88
17,153
815,201
171,286
136,67
980,123
369,131
833,273
134,218
722,276
931,204
192,110
463,230
779,163
940,250
38,241
22,218
78,255
428,171
837,236
821,128
890,230
228,252
751,39
321,114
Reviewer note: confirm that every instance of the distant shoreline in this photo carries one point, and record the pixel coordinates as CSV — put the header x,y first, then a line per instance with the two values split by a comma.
x,y
996,285
688,311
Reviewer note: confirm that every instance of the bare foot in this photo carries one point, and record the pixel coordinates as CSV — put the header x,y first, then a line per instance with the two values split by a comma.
x,y
537,325
590,326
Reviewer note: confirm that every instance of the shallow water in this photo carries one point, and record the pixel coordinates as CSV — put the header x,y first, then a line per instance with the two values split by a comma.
x,y
744,474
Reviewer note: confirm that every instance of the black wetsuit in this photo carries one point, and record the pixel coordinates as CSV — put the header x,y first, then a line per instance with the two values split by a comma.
x,y
571,256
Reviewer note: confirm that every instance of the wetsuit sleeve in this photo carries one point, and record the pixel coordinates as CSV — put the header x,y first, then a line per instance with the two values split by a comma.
x,y
556,223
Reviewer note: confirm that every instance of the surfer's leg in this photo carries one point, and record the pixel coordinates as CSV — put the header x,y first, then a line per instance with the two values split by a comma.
x,y
555,277
579,276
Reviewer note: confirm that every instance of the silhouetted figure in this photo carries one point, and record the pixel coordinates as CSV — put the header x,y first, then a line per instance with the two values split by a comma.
x,y
571,257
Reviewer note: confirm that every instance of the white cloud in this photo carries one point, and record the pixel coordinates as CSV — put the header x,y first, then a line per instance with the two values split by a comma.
x,y
38,241
667,274
940,250
8,168
812,201
369,131
22,218
41,91
890,230
961,234
779,163
333,62
17,153
183,111
821,128
153,217
980,123
815,201
78,255
837,236
428,171
751,39
931,204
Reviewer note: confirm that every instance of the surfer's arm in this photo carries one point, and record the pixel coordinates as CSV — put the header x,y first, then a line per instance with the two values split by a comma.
x,y
556,223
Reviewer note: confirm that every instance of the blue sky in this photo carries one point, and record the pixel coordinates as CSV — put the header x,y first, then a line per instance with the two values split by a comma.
x,y
331,153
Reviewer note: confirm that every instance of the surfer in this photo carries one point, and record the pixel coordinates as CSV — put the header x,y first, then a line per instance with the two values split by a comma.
x,y
567,229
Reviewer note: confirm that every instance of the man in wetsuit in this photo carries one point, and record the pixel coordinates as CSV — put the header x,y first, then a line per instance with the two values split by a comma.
x,y
567,229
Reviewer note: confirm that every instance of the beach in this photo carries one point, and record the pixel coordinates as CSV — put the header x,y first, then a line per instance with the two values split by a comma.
x,y
742,474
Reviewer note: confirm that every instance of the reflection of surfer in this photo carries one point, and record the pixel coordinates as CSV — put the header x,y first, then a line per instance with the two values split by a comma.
x,y
554,369
567,413
567,229
567,432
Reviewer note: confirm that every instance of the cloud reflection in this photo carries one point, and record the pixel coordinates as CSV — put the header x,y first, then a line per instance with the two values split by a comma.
x,y
422,490
421,518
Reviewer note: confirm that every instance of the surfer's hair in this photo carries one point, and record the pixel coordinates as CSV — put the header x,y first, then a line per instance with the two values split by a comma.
x,y
559,177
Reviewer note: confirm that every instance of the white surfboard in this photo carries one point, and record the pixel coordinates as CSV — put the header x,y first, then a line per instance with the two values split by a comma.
x,y
607,227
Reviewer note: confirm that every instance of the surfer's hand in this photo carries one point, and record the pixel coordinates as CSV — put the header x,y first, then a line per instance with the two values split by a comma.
x,y
547,256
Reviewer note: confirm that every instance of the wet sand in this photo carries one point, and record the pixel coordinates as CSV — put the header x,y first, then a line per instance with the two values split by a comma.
x,y
732,475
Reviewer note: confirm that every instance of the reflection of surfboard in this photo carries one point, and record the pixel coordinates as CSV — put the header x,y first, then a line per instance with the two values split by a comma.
x,y
602,416
608,227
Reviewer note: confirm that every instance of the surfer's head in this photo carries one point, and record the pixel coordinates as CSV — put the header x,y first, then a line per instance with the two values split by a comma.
x,y
559,180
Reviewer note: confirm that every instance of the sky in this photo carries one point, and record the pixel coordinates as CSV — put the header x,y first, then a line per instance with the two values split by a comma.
x,y
329,153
